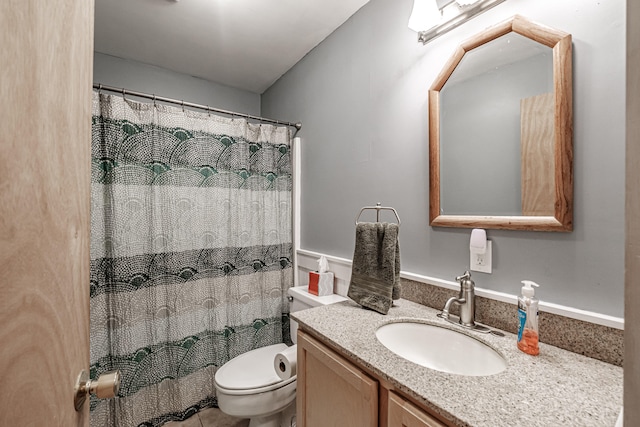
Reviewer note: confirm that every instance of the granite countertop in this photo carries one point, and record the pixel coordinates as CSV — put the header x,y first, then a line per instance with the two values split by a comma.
x,y
556,388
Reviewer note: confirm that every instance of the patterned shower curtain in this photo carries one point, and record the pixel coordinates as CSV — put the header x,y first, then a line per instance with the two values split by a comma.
x,y
191,253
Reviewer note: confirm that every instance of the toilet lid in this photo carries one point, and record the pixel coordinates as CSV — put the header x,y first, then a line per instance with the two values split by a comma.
x,y
250,370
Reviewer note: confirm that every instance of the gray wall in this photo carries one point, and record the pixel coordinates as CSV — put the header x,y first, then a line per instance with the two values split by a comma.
x,y
140,77
362,98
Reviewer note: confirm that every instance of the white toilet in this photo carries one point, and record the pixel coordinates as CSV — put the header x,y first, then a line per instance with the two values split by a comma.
x,y
249,387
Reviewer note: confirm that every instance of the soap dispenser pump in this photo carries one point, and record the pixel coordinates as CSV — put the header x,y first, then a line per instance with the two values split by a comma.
x,y
528,319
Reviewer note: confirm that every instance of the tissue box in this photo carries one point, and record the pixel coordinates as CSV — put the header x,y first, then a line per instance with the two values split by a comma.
x,y
320,284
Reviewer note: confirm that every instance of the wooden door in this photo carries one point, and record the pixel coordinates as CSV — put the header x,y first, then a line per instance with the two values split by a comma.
x,y
45,115
405,414
537,155
332,392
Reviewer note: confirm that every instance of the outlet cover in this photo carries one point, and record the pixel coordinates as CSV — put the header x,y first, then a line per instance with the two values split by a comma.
x,y
481,262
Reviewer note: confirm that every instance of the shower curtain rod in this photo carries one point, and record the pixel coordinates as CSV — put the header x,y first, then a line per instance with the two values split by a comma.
x,y
123,91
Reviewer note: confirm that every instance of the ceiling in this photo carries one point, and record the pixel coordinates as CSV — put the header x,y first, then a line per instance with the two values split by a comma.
x,y
246,44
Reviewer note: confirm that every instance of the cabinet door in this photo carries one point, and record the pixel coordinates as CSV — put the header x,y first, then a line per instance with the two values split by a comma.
x,y
331,391
405,414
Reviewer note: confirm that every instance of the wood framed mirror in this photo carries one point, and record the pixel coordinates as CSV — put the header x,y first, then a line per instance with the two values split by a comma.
x,y
539,168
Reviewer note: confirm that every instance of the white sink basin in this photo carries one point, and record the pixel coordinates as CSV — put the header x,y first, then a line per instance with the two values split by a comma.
x,y
441,349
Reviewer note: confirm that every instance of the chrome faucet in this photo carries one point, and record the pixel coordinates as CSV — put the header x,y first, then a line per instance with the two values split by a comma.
x,y
466,300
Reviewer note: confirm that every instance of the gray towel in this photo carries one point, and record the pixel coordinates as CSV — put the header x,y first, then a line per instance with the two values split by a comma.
x,y
375,273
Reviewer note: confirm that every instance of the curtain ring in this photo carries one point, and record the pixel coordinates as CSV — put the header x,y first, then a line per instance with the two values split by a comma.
x,y
123,94
154,100
182,103
100,89
209,110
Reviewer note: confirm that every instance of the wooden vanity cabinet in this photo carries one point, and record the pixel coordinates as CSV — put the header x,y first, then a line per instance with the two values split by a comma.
x,y
403,413
333,392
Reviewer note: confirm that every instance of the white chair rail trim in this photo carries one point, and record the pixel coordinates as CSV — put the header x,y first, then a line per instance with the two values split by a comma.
x,y
341,267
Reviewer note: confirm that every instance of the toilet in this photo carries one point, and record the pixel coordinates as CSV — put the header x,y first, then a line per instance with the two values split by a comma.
x,y
248,386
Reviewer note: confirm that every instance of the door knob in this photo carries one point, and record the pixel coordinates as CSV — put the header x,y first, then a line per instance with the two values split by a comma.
x,y
105,387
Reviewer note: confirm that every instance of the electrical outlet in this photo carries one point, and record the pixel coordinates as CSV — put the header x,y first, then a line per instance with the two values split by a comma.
x,y
481,262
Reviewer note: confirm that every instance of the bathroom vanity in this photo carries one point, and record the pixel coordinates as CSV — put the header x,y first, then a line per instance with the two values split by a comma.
x,y
347,377
333,391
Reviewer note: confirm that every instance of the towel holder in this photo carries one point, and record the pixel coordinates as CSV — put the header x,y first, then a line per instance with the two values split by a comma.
x,y
378,208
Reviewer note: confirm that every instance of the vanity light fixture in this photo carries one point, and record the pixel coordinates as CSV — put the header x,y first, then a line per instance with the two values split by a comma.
x,y
432,18
425,14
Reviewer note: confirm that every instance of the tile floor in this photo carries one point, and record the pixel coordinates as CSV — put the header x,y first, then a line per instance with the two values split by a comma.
x,y
211,417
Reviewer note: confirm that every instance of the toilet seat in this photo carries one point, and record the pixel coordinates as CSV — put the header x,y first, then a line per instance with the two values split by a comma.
x,y
251,372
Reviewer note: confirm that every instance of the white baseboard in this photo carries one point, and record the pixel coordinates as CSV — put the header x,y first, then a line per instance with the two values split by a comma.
x,y
341,268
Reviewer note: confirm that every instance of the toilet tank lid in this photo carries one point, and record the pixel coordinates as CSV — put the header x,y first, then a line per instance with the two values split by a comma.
x,y
302,293
250,370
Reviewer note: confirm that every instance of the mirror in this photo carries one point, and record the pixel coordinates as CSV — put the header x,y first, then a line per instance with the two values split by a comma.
x,y
500,131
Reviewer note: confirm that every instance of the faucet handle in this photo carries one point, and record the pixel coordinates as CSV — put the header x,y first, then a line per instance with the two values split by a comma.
x,y
465,276
465,281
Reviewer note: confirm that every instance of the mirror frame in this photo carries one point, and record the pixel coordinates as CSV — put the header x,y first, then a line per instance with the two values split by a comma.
x,y
562,220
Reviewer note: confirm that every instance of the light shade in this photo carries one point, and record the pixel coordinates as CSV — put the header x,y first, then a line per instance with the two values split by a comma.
x,y
425,15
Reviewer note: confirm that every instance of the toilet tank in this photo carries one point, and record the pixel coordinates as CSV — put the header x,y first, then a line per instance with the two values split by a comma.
x,y
301,299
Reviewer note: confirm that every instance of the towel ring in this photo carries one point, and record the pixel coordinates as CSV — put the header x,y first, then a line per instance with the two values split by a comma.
x,y
378,208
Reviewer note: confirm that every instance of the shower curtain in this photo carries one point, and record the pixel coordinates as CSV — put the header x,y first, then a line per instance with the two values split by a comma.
x,y
191,253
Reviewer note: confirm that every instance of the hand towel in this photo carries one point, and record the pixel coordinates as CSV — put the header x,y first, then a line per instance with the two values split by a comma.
x,y
375,273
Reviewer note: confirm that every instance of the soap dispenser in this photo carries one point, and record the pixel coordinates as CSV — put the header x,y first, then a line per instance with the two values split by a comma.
x,y
528,319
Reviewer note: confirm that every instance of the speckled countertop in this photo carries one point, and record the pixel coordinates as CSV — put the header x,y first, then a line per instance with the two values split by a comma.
x,y
556,388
